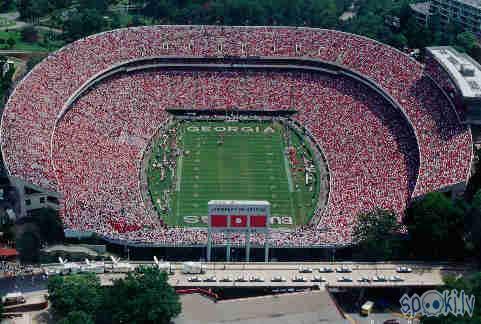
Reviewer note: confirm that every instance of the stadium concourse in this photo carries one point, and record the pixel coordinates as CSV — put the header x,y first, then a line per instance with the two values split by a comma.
x,y
90,151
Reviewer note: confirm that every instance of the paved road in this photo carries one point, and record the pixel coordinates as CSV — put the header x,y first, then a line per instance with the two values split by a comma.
x,y
270,309
379,318
421,275
13,16
25,284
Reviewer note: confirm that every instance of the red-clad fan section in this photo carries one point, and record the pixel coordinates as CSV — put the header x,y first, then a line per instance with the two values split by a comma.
x,y
379,154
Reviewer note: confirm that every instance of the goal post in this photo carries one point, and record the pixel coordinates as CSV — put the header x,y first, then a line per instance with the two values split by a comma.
x,y
239,216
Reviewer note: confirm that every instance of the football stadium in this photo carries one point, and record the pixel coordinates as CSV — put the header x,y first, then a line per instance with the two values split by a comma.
x,y
137,129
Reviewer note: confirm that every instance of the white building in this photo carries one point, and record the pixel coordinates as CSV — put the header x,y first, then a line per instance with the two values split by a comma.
x,y
460,77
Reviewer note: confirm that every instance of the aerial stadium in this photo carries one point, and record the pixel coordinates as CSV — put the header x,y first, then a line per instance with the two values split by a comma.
x,y
138,129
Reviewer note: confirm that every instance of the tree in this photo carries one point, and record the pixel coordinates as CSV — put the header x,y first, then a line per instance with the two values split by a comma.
x,y
28,245
99,5
29,34
144,297
59,4
436,227
32,61
378,234
473,226
24,7
471,285
450,31
417,36
466,41
84,23
476,52
322,13
11,42
75,293
30,9
474,183
157,9
8,230
398,40
5,78
49,225
77,317
6,5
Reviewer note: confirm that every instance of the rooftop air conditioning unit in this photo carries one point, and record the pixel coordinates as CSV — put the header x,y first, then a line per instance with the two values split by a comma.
x,y
467,70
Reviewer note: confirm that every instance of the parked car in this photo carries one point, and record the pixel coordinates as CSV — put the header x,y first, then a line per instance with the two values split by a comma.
x,y
13,298
396,279
379,279
392,321
278,279
318,279
343,269
305,270
325,270
299,279
404,270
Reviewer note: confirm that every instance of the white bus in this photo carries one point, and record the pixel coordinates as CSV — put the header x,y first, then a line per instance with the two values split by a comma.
x,y
366,308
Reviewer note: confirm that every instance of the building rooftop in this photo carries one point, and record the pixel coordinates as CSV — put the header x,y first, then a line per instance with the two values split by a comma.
x,y
421,7
306,307
464,71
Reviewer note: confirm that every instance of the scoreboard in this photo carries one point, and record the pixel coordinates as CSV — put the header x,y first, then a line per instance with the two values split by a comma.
x,y
248,216
238,215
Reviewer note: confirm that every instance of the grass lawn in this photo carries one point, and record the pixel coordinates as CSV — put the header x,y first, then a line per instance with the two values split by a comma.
x,y
239,161
6,22
21,45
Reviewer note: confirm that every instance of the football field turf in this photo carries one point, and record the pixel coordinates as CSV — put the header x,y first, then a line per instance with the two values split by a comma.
x,y
229,161
241,161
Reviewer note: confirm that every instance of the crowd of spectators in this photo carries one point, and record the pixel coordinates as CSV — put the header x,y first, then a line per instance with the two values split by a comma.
x,y
13,269
372,152
91,155
434,69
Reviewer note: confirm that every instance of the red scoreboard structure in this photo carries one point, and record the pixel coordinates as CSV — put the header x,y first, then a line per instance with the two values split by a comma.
x,y
238,216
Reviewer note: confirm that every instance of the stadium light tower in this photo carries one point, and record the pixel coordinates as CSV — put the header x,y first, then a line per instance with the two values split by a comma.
x,y
241,216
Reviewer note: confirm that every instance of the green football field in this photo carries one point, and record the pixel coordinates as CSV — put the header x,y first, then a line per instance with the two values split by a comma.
x,y
230,161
